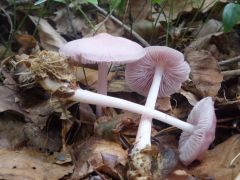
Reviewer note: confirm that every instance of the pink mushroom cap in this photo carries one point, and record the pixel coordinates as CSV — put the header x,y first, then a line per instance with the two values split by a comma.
x,y
192,145
139,75
102,48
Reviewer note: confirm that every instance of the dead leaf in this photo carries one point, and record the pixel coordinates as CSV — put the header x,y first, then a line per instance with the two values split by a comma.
x,y
27,164
192,99
89,76
118,85
200,43
147,30
98,155
27,42
48,140
172,9
210,27
205,72
109,127
163,104
181,106
70,24
49,38
109,26
39,112
180,175
139,9
8,100
221,163
11,131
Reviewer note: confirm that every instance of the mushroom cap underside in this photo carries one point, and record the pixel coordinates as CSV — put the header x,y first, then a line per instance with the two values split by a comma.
x,y
192,145
139,75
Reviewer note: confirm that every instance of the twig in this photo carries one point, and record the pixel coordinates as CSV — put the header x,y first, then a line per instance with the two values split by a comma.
x,y
235,72
224,120
232,161
229,61
166,130
135,34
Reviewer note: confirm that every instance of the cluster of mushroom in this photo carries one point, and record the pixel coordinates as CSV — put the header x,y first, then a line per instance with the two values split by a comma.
x,y
154,71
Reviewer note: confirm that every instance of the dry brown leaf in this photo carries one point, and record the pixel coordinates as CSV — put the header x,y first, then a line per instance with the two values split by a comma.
x,y
176,7
210,27
68,23
30,165
118,85
139,9
40,112
8,98
109,26
109,127
49,37
146,29
163,104
205,72
181,106
27,42
221,163
192,99
91,76
46,141
98,155
11,131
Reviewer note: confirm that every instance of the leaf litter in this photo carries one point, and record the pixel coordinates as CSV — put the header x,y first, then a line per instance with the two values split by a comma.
x,y
40,116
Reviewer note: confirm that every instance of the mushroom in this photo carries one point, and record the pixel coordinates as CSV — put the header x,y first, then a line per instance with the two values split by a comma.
x,y
102,49
198,131
191,145
160,73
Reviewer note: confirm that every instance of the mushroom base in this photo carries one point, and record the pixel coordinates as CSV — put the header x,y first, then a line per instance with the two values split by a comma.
x,y
149,163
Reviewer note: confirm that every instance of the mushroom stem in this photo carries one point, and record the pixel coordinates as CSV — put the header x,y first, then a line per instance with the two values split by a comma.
x,y
102,83
89,97
143,137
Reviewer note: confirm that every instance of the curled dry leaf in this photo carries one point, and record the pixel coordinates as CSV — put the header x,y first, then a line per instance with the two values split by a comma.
x,y
50,39
30,165
205,72
192,99
221,163
99,155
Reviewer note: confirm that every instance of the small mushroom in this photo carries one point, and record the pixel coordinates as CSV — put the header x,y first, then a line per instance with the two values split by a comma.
x,y
191,145
198,131
159,73
102,49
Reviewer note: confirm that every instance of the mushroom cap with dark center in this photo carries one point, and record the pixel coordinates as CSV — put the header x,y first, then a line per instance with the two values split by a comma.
x,y
191,145
139,75
102,48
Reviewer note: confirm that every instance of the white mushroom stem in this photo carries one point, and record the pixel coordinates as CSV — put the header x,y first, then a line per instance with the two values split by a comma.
x,y
102,83
89,97
143,137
